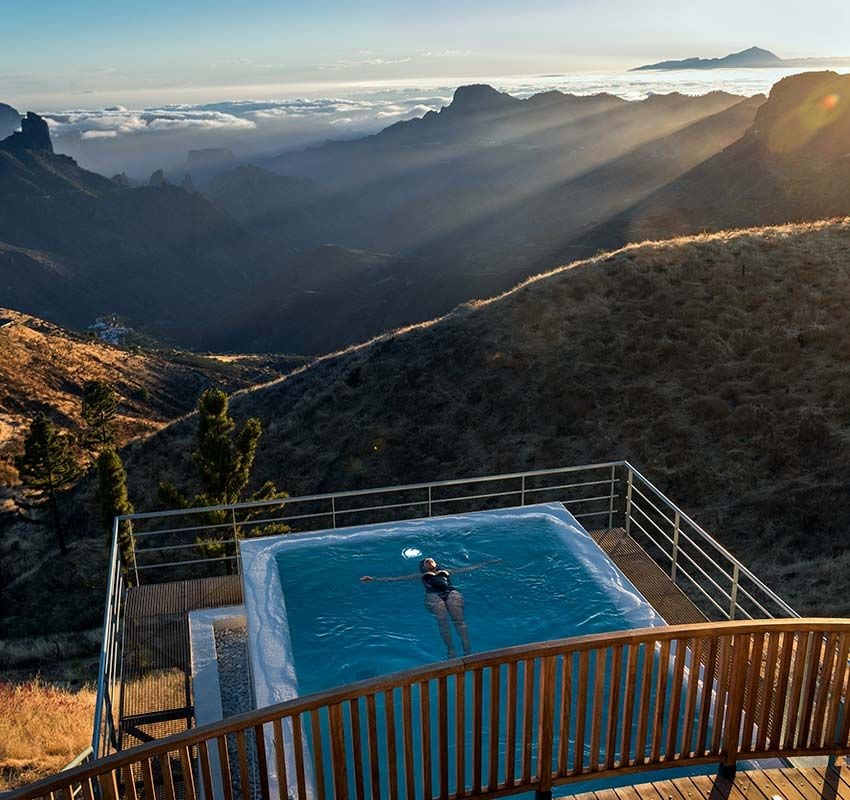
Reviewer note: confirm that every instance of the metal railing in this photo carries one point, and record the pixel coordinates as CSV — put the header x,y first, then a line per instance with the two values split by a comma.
x,y
187,543
510,721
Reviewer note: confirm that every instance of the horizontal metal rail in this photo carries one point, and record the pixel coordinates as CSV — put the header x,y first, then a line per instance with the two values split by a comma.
x,y
587,707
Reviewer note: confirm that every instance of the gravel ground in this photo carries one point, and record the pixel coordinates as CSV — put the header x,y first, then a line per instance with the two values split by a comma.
x,y
231,645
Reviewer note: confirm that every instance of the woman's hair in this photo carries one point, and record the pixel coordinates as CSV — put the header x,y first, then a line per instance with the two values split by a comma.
x,y
422,567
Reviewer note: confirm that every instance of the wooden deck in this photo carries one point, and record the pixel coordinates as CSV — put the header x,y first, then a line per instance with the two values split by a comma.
x,y
156,700
772,784
649,579
157,689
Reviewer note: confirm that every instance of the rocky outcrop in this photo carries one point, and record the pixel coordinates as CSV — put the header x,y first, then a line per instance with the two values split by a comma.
x,y
34,135
157,179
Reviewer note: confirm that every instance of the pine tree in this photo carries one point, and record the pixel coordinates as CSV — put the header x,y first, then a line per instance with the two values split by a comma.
x,y
47,466
224,458
112,494
100,403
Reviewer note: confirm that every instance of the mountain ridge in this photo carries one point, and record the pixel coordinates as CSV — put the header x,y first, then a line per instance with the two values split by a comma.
x,y
751,58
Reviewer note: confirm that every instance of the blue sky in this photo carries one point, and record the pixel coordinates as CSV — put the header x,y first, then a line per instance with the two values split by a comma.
x,y
66,53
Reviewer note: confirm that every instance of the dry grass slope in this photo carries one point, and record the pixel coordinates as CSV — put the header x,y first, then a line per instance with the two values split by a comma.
x,y
717,363
49,728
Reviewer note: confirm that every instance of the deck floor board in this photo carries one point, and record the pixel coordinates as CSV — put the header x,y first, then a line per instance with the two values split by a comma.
x,y
826,783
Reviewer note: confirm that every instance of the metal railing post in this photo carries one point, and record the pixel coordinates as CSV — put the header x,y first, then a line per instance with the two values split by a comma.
x,y
675,563
628,521
611,501
333,511
235,540
429,501
106,641
522,492
733,604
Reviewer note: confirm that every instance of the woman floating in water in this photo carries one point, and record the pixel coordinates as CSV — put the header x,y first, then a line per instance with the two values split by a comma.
x,y
442,599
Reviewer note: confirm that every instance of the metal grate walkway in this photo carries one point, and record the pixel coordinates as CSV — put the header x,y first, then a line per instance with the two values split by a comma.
x,y
156,700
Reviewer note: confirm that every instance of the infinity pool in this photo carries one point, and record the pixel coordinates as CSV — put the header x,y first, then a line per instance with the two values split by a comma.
x,y
313,624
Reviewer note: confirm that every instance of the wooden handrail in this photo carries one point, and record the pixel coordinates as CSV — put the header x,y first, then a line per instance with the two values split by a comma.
x,y
541,715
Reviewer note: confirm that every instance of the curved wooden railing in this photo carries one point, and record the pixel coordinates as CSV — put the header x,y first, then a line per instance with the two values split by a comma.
x,y
526,718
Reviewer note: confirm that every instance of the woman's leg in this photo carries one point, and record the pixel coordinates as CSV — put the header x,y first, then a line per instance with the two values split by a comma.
x,y
438,608
454,602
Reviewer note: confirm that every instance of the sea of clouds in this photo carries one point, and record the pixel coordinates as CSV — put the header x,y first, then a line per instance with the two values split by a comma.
x,y
120,138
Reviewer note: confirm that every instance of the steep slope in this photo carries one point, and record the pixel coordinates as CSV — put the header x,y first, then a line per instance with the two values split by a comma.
x,y
74,245
44,368
717,363
792,165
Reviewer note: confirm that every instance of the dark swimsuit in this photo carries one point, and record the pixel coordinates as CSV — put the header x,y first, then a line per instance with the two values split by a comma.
x,y
438,583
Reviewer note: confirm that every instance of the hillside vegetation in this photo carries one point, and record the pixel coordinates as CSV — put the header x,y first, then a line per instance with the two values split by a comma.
x,y
49,728
718,364
44,368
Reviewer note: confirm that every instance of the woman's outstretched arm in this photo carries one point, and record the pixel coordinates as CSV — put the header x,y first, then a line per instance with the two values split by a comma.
x,y
412,576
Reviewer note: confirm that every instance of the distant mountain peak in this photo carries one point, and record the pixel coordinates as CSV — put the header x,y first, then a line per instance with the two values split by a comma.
x,y
34,135
480,97
752,57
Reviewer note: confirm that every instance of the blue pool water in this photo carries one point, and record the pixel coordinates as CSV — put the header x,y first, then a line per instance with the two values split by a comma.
x,y
550,581
316,625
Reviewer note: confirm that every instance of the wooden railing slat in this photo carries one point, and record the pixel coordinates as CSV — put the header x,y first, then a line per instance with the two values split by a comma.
x,y
751,696
527,719
768,684
262,764
443,735
722,700
705,702
280,762
695,646
298,749
839,684
189,777
129,784
167,776
477,732
495,711
510,725
392,750
460,734
407,738
372,734
244,775
810,692
779,706
338,755
629,703
675,700
545,724
660,700
613,706
597,710
566,702
803,645
581,711
357,749
816,736
150,790
648,652
735,707
425,737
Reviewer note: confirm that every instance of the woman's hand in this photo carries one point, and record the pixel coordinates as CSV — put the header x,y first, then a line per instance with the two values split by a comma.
x,y
366,579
